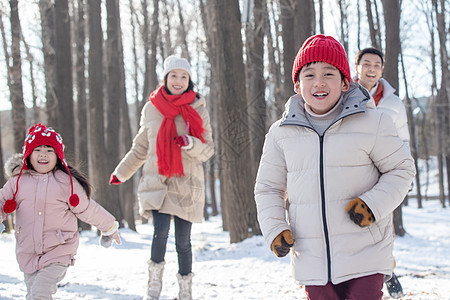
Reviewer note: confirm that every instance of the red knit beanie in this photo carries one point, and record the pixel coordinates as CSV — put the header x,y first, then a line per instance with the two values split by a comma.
x,y
322,48
39,135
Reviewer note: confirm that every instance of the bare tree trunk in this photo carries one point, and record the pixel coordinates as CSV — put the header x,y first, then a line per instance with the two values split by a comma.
x,y
167,40
412,134
304,25
128,198
321,27
134,30
114,101
392,11
46,9
16,89
444,91
30,59
372,29
256,102
274,69
150,46
97,157
8,222
64,87
358,43
81,135
153,46
238,186
209,29
146,89
289,47
343,9
183,35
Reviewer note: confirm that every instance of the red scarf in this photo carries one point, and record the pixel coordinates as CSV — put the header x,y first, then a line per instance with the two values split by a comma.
x,y
379,94
170,106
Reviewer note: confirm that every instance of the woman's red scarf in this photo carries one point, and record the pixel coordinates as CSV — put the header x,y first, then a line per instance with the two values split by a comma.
x,y
170,106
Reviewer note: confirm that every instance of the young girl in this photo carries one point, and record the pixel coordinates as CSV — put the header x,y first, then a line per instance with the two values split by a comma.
x,y
173,141
48,201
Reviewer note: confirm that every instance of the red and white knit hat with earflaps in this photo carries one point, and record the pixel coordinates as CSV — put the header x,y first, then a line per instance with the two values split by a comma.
x,y
39,135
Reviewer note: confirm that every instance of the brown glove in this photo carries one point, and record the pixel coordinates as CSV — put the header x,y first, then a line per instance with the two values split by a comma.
x,y
359,212
282,243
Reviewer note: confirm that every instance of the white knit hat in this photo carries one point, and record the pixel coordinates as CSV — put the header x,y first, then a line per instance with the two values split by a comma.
x,y
172,62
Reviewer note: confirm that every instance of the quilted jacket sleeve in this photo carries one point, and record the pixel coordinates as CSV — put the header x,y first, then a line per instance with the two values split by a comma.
x,y
270,188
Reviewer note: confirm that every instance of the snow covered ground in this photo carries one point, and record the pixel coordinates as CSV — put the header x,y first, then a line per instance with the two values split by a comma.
x,y
246,270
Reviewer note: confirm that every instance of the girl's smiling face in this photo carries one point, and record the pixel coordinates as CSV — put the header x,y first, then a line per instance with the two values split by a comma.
x,y
43,159
321,85
177,81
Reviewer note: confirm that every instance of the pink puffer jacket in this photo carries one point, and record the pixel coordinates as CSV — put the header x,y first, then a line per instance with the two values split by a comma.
x,y
46,226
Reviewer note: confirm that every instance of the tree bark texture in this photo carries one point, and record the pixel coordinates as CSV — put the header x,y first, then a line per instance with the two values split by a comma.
x,y
236,147
64,87
16,90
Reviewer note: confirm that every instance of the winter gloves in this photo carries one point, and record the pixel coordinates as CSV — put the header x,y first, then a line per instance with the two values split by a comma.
x,y
110,236
282,243
359,212
184,141
114,180
2,227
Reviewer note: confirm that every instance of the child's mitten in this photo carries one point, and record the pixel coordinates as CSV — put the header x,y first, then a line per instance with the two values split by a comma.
x,y
112,235
114,180
282,243
184,141
359,212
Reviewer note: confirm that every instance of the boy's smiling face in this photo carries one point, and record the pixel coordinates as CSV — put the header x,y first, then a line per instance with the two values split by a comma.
x,y
321,84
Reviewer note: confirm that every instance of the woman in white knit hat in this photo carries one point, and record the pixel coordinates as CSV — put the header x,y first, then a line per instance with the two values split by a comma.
x,y
173,141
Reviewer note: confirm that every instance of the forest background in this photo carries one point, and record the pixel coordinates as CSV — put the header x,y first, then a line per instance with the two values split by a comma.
x,y
86,67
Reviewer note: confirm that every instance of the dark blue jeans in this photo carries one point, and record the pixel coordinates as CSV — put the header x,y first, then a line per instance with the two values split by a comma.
x,y
161,224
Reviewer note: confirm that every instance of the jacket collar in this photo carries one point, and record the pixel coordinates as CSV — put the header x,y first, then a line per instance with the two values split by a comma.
x,y
355,100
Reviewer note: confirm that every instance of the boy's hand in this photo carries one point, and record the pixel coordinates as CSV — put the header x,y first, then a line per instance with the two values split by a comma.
x,y
359,212
114,180
2,227
282,244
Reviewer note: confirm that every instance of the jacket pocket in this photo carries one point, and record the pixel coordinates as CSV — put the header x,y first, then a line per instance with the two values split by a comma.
x,y
19,235
376,233
57,237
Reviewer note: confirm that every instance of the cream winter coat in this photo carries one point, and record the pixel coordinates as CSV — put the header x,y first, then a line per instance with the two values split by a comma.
x,y
393,106
46,226
359,155
180,196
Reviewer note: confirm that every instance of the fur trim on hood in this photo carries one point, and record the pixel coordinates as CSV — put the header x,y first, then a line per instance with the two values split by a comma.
x,y
13,165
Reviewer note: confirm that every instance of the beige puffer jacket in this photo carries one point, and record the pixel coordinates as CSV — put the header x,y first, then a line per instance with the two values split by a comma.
x,y
359,155
180,196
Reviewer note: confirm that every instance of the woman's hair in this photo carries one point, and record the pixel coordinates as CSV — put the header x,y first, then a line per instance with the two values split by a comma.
x,y
80,177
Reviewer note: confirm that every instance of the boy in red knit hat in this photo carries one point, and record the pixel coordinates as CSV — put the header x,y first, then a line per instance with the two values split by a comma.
x,y
48,197
343,169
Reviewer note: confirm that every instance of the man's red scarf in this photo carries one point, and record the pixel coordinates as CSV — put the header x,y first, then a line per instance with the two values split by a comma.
x,y
378,94
170,106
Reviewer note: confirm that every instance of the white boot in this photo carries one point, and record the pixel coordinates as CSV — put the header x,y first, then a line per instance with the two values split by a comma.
x,y
185,283
155,275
